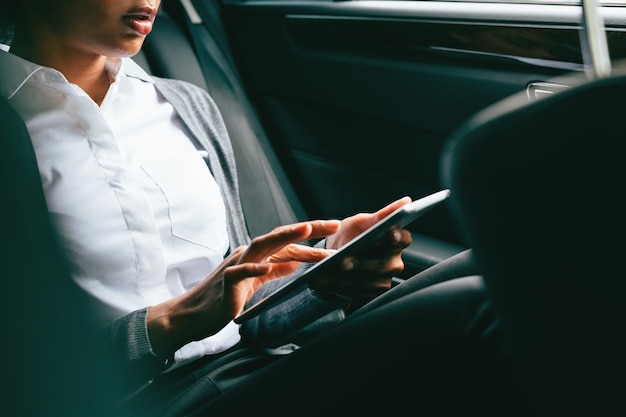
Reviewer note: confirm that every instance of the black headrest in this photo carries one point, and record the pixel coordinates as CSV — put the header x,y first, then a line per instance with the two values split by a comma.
x,y
537,189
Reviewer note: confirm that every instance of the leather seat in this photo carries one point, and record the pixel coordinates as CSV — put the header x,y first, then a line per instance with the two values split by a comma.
x,y
537,189
48,349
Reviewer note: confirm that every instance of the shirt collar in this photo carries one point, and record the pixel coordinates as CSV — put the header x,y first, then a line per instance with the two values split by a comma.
x,y
131,69
16,71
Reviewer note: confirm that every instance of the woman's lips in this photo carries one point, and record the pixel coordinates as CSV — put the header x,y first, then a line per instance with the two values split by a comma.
x,y
140,21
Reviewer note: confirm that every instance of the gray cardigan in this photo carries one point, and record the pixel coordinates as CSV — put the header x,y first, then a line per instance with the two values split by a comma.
x,y
129,334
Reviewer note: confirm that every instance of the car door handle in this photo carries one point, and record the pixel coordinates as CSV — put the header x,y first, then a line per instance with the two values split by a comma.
x,y
539,90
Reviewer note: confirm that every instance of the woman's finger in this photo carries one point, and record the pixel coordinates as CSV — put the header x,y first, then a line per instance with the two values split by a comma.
x,y
390,208
265,245
300,253
323,228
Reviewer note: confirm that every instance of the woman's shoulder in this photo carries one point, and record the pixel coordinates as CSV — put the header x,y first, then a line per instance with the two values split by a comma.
x,y
184,95
181,87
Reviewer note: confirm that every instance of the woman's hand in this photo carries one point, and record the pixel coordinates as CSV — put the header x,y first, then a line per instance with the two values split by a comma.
x,y
211,304
369,274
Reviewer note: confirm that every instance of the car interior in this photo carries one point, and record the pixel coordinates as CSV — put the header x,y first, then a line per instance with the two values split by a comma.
x,y
534,192
339,107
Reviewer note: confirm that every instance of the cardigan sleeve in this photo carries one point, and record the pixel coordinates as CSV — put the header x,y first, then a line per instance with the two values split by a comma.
x,y
131,349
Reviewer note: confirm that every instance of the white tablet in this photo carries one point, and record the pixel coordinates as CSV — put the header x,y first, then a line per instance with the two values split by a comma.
x,y
396,220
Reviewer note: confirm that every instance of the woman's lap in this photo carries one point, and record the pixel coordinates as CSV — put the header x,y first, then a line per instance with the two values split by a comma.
x,y
437,349
431,343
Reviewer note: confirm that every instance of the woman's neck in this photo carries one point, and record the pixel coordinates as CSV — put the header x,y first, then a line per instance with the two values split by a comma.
x,y
88,71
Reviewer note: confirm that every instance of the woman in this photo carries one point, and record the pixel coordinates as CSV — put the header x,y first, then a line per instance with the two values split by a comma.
x,y
168,261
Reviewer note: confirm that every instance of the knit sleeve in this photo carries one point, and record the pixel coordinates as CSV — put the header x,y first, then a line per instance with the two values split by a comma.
x,y
128,337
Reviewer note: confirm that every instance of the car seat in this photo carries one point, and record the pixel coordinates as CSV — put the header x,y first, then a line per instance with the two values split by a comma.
x,y
537,191
51,364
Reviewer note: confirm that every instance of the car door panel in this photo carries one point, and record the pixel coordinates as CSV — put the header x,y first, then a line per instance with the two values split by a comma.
x,y
359,97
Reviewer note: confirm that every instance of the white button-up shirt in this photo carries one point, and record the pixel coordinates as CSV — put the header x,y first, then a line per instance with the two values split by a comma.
x,y
137,209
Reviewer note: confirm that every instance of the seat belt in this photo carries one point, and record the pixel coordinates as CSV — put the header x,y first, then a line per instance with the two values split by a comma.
x,y
267,196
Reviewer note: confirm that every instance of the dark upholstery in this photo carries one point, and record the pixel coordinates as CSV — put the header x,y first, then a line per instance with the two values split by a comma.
x,y
538,191
167,52
51,366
